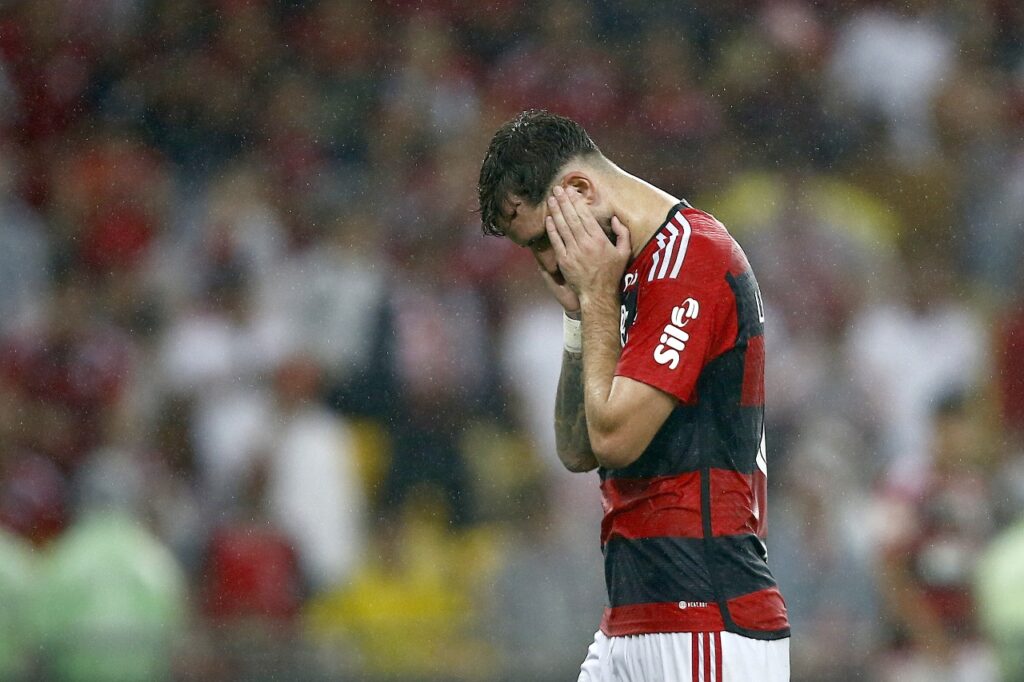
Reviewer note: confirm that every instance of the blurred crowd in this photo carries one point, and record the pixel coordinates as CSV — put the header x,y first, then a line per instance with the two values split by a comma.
x,y
272,408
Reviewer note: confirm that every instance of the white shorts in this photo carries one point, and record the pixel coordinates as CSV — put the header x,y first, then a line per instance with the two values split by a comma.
x,y
685,657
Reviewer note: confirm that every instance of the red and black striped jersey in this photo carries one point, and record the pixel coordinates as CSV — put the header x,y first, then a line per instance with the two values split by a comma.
x,y
684,525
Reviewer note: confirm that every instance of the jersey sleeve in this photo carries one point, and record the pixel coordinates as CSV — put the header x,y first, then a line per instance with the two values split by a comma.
x,y
675,332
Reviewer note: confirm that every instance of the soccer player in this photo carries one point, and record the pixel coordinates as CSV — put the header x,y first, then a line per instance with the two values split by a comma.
x,y
662,391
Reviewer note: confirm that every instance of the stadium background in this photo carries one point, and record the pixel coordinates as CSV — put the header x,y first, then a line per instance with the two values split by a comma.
x,y
272,408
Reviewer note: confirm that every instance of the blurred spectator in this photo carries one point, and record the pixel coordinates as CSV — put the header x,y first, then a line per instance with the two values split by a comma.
x,y
1009,371
71,367
930,544
544,588
18,573
219,353
996,239
24,249
561,66
251,571
111,601
438,347
821,551
1000,594
251,585
979,131
109,194
33,490
330,296
677,115
888,62
50,60
335,41
430,94
179,511
238,232
895,355
768,79
313,489
408,610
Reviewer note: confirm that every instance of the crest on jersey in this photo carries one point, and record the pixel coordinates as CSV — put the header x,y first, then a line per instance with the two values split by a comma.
x,y
627,311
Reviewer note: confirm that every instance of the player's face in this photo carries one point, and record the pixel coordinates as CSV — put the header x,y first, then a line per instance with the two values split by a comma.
x,y
526,228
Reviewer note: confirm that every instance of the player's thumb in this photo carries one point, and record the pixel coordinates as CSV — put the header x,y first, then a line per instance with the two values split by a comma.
x,y
622,244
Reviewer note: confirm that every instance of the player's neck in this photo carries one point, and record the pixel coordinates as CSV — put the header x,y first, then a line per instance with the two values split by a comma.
x,y
641,207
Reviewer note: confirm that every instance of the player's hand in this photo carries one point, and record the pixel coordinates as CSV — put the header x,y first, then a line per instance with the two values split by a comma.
x,y
589,261
562,293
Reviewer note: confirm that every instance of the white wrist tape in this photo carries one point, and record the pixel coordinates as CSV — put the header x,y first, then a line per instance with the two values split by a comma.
x,y
572,335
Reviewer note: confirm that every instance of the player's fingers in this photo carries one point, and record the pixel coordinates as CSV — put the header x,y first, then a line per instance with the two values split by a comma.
x,y
557,219
584,215
568,211
562,293
622,242
555,237
548,279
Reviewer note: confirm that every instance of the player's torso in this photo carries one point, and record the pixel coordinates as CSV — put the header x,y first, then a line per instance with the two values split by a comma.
x,y
684,524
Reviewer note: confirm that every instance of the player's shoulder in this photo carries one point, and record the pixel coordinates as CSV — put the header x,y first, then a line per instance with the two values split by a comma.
x,y
716,244
708,234
691,246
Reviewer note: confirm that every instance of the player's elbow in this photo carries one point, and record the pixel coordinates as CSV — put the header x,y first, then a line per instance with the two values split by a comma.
x,y
579,463
613,449
575,456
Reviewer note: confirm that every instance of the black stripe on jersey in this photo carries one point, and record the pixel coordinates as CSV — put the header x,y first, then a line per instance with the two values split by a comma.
x,y
717,432
672,451
674,569
732,431
739,563
649,570
749,313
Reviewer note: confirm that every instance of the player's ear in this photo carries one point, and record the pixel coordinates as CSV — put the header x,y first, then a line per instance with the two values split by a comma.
x,y
582,184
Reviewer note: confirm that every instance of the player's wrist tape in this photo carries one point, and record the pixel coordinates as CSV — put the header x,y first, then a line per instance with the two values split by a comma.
x,y
572,334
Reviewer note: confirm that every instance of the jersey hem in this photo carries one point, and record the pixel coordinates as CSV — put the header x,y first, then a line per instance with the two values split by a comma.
x,y
645,619
656,629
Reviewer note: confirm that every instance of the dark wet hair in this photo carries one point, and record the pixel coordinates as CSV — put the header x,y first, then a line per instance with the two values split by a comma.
x,y
523,158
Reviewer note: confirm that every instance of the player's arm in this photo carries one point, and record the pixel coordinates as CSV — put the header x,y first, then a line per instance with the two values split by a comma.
x,y
622,415
572,442
572,439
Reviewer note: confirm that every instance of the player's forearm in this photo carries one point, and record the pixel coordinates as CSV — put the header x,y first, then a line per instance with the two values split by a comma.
x,y
601,354
572,440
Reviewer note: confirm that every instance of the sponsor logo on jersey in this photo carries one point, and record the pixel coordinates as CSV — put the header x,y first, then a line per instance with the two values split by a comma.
x,y
674,337
693,605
